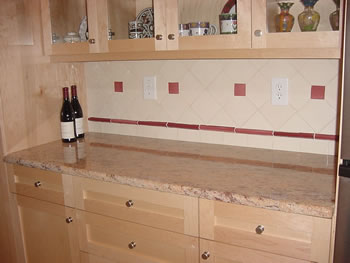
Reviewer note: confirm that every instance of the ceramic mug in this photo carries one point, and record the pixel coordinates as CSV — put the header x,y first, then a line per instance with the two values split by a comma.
x,y
228,23
71,37
135,29
202,29
184,30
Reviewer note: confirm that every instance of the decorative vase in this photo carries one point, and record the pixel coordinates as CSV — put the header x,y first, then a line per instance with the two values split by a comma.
x,y
334,17
309,18
284,21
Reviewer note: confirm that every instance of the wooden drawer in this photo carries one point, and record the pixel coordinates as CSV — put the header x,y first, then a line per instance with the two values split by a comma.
x,y
297,236
222,253
89,258
167,211
41,184
111,239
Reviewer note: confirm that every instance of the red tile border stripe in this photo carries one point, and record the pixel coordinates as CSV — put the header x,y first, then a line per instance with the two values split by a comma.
x,y
183,126
153,123
99,119
295,134
326,137
228,129
254,131
124,121
216,128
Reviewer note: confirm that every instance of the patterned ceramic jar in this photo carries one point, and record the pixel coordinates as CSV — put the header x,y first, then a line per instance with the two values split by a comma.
x,y
202,29
228,23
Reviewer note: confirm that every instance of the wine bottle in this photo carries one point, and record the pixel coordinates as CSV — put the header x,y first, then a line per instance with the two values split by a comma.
x,y
78,112
67,118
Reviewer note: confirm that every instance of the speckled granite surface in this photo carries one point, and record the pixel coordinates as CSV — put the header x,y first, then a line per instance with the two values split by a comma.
x,y
286,181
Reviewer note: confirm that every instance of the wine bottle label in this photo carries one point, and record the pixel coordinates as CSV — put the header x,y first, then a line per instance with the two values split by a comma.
x,y
67,130
79,129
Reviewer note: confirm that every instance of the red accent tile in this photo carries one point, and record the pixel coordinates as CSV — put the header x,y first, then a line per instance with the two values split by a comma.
x,y
153,123
173,87
216,128
118,86
124,121
183,126
99,119
254,131
327,137
294,134
239,89
318,92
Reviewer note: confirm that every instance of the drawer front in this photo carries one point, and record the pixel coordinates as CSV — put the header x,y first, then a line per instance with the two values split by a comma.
x,y
40,184
88,258
167,211
297,236
214,252
123,242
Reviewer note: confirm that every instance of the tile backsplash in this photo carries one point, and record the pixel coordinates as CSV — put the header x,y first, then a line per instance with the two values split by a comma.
x,y
229,93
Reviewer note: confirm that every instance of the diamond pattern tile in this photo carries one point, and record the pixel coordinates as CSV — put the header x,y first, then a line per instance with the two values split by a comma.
x,y
207,97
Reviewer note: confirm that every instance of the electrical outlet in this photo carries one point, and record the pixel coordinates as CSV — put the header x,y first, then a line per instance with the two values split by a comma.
x,y
149,88
279,91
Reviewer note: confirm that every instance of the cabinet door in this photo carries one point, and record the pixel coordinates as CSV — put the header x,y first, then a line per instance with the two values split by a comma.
x,y
134,25
265,35
122,242
292,235
48,231
176,213
214,252
188,11
60,17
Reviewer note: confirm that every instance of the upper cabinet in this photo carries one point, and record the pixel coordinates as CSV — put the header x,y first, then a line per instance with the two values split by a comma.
x,y
143,29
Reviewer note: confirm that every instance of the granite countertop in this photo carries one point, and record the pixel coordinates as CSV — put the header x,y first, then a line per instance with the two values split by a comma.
x,y
278,180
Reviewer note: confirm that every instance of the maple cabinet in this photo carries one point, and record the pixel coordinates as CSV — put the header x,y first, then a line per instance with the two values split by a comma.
x,y
108,36
296,236
48,231
75,219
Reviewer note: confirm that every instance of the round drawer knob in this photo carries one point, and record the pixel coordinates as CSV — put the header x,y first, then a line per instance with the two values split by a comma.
x,y
92,41
132,245
171,37
129,203
37,184
258,33
69,220
259,229
159,37
205,255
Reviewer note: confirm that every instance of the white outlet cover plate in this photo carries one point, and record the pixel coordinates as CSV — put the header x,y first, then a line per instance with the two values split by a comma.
x,y
150,88
279,91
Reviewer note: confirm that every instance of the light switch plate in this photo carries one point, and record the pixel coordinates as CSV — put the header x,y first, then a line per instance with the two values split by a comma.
x,y
150,88
279,91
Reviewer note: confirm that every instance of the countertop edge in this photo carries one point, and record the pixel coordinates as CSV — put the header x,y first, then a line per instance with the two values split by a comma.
x,y
253,201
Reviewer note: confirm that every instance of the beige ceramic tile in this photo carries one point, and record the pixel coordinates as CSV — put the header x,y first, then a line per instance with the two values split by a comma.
x,y
297,124
299,91
240,109
236,139
277,115
257,121
212,137
188,135
205,107
258,90
221,118
221,89
206,71
258,141
313,146
286,144
240,71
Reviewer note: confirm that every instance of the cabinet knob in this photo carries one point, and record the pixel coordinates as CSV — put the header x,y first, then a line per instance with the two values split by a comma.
x,y
132,245
258,33
205,255
92,41
69,220
259,229
129,203
159,37
37,184
171,37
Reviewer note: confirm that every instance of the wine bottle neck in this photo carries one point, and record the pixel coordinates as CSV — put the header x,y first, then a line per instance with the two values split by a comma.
x,y
65,94
74,91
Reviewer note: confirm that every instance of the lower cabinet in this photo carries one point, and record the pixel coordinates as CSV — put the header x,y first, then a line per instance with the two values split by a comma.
x,y
125,242
48,231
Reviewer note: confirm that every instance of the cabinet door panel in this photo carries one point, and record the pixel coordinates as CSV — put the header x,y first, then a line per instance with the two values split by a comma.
x,y
46,235
222,253
167,211
263,19
111,238
292,235
208,11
